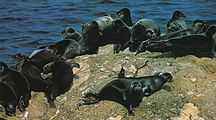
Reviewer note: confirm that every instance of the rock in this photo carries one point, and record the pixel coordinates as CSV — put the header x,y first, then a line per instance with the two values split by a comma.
x,y
189,112
115,118
191,95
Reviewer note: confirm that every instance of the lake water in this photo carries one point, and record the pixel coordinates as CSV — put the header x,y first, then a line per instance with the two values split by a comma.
x,y
26,24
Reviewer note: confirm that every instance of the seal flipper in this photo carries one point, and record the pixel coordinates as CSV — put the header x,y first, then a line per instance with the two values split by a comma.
x,y
121,73
130,110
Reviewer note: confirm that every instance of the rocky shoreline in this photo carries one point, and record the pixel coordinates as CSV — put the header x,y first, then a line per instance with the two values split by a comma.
x,y
190,97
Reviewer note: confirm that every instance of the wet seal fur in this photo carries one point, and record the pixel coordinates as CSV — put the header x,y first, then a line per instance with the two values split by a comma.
x,y
200,45
38,58
177,22
198,27
128,91
71,33
66,49
125,15
89,43
16,87
142,30
61,79
31,73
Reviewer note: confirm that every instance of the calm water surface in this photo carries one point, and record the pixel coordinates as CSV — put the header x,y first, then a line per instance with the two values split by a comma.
x,y
25,24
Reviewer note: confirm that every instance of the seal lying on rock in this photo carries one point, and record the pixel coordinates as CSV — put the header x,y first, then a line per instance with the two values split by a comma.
x,y
122,34
111,32
153,83
125,15
177,22
104,21
199,26
71,33
15,91
61,79
142,30
200,45
129,91
67,49
89,43
38,58
32,75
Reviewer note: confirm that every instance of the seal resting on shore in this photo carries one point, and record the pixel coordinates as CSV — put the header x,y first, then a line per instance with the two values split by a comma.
x,y
15,91
200,45
128,91
38,58
142,30
71,33
177,22
125,15
67,49
61,79
32,74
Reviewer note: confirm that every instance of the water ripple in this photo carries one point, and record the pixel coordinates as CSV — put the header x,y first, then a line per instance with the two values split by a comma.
x,y
25,24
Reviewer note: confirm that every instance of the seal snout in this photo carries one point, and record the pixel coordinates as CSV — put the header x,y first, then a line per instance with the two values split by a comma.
x,y
168,77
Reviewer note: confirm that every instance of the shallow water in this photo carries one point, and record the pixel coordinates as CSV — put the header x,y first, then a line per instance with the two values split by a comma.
x,y
25,24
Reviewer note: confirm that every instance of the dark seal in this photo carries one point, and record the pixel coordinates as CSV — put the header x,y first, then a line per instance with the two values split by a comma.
x,y
177,22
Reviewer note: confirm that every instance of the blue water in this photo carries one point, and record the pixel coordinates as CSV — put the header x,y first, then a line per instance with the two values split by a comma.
x,y
25,24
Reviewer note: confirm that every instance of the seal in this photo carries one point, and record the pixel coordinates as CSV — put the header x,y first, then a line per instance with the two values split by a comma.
x,y
16,87
41,57
89,43
111,32
31,73
151,83
38,58
199,26
61,79
122,34
142,30
104,21
128,91
85,27
66,49
177,22
71,33
200,45
125,15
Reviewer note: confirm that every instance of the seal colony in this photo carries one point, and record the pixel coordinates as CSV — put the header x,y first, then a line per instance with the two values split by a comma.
x,y
16,84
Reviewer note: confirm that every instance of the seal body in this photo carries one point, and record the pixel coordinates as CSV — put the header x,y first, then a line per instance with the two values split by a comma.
x,y
66,49
71,33
125,15
200,45
61,79
32,75
177,22
41,57
111,32
129,91
142,30
89,43
199,26
16,87
125,92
